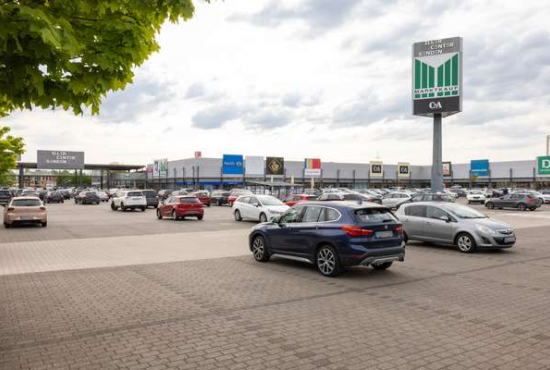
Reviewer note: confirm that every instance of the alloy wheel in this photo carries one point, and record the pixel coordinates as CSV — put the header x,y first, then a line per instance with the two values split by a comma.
x,y
326,261
464,243
258,248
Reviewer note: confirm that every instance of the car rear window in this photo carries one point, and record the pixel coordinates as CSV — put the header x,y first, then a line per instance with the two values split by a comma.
x,y
374,215
352,197
26,203
91,193
189,200
135,194
150,193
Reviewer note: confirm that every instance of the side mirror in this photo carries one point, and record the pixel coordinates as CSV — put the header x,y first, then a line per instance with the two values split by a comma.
x,y
445,218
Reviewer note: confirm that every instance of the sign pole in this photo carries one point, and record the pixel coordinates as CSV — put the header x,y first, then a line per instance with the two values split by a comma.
x,y
437,159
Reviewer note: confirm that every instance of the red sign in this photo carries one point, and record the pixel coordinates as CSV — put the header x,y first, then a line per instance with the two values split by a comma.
x,y
198,154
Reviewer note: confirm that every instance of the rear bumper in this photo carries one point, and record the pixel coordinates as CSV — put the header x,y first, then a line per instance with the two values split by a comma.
x,y
152,202
373,256
13,219
197,212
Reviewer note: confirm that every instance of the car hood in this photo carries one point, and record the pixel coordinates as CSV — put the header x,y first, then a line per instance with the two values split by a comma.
x,y
280,208
490,223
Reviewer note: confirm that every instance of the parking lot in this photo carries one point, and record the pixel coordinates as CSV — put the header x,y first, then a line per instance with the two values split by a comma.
x,y
113,290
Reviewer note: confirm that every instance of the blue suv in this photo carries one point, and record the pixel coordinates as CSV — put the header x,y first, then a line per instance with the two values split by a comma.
x,y
332,236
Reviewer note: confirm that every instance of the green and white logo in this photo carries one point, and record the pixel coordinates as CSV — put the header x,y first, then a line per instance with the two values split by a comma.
x,y
436,76
543,165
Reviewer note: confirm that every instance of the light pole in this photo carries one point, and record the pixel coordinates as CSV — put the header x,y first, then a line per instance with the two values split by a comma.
x,y
547,145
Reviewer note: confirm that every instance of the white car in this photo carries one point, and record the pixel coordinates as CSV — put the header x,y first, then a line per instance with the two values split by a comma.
x,y
478,196
451,194
129,199
103,196
261,208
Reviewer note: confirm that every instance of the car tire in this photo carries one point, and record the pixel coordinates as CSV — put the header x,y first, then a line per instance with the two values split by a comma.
x,y
465,243
174,216
44,224
263,217
382,266
522,207
122,208
259,249
113,207
208,205
490,205
532,209
143,209
238,215
6,225
200,218
159,216
327,261
405,237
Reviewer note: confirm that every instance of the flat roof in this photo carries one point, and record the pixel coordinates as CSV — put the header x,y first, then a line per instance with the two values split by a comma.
x,y
113,167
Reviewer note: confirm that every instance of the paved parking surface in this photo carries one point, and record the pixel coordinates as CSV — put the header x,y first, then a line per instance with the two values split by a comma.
x,y
105,290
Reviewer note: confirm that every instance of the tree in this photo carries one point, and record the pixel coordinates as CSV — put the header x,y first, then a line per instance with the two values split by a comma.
x,y
70,53
10,148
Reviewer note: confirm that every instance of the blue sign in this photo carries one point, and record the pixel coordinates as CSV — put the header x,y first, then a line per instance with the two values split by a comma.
x,y
479,167
233,164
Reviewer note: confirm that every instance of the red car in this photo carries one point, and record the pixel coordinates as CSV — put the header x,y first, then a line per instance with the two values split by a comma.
x,y
178,207
203,196
293,199
235,193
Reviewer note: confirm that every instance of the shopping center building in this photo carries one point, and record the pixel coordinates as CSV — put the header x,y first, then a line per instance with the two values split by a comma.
x,y
211,173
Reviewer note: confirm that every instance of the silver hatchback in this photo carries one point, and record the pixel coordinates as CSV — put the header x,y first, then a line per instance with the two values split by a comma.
x,y
449,223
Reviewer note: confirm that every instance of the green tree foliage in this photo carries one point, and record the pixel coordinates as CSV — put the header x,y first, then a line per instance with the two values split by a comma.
x,y
10,148
70,53
65,179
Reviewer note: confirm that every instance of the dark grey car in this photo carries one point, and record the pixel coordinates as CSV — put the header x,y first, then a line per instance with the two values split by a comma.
x,y
454,224
152,198
519,201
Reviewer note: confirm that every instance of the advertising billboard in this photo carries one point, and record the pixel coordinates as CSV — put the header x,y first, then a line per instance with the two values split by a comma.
x,y
232,164
447,169
403,170
59,160
376,168
543,166
275,166
437,77
198,154
312,167
160,167
479,167
254,165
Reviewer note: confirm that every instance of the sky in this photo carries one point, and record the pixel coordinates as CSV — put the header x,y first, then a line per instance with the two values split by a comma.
x,y
318,79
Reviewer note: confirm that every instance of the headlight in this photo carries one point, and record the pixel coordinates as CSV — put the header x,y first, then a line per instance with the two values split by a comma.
x,y
485,230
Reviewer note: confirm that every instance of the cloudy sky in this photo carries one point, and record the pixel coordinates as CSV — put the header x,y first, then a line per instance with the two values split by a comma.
x,y
319,78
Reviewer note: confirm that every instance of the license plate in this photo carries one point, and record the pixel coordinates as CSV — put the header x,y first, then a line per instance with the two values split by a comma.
x,y
510,240
26,218
384,234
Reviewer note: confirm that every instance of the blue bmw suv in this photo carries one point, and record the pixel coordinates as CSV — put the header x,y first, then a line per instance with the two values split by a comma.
x,y
332,236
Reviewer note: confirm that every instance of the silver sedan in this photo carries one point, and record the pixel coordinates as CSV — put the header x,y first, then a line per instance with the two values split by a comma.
x,y
454,224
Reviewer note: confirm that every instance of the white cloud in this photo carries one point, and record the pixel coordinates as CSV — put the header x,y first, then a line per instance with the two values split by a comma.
x,y
329,79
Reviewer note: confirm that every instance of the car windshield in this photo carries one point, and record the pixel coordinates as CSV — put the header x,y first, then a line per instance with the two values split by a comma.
x,y
465,212
91,193
270,201
476,192
374,215
149,193
135,194
25,203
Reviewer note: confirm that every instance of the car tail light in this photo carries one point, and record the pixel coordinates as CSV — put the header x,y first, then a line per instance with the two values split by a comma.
x,y
11,209
353,230
399,229
42,208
